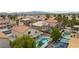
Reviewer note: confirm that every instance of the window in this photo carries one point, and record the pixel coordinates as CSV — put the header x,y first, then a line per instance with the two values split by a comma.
x,y
35,31
2,27
29,32
7,32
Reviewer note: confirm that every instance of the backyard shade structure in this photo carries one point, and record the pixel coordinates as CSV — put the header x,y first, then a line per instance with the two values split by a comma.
x,y
64,40
61,45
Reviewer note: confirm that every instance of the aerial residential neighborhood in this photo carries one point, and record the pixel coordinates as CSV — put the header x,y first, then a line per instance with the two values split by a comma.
x,y
39,30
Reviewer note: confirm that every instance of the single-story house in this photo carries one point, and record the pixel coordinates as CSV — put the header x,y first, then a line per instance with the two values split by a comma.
x,y
34,32
22,29
41,25
19,30
52,22
27,20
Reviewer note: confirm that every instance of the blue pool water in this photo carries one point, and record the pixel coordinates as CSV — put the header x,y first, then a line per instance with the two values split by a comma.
x,y
64,41
67,35
61,45
42,41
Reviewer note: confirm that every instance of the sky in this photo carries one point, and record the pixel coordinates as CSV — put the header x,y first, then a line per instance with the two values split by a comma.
x,y
38,5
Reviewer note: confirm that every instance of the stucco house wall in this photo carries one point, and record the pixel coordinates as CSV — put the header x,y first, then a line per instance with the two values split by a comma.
x,y
33,32
4,43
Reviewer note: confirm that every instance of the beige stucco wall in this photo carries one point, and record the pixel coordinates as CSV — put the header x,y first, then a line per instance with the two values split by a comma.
x,y
33,32
4,43
17,33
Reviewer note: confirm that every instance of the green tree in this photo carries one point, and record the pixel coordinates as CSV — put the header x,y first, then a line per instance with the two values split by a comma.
x,y
17,21
12,17
59,17
55,34
47,16
64,21
77,22
3,16
24,41
73,21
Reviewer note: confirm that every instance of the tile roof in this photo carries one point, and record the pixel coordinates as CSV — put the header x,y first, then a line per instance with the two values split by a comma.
x,y
3,36
40,23
26,19
20,28
2,21
51,21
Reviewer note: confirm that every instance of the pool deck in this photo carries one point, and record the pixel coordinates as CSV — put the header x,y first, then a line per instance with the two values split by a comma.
x,y
74,42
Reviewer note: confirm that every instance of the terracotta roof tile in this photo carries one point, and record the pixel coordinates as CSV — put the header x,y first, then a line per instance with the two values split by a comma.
x,y
51,21
20,28
2,35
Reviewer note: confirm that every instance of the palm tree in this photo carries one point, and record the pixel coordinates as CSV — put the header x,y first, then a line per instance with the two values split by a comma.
x,y
12,17
55,34
3,16
17,21
24,41
59,18
73,21
77,22
64,21
47,16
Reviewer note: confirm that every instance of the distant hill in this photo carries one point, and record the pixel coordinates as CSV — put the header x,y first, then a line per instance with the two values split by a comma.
x,y
38,12
24,13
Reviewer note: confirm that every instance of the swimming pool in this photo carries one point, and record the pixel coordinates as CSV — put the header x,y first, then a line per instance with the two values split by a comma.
x,y
64,41
61,45
42,41
67,35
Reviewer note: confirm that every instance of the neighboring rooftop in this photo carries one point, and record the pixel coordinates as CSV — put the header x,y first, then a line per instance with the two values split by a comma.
x,y
2,35
51,21
20,28
40,23
26,19
2,22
